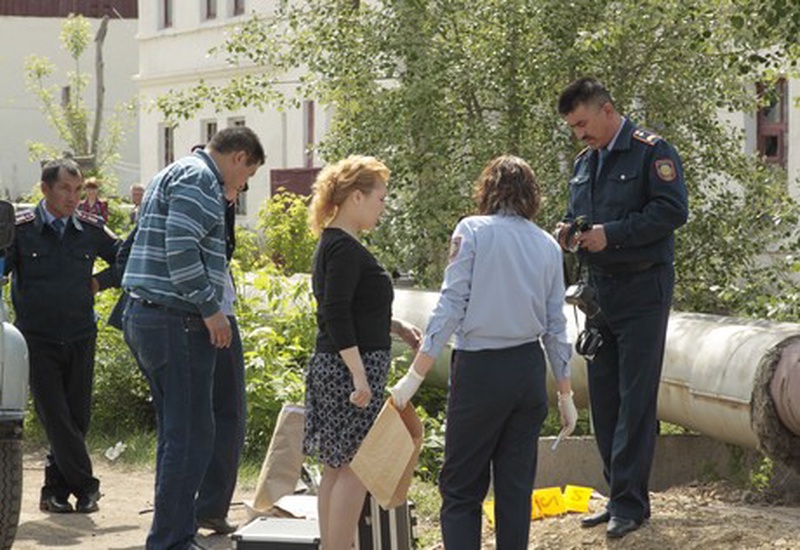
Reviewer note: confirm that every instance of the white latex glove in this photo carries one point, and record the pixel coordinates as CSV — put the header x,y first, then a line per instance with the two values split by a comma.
x,y
568,412
404,390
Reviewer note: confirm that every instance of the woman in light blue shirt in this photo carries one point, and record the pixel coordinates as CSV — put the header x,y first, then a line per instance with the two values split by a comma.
x,y
503,297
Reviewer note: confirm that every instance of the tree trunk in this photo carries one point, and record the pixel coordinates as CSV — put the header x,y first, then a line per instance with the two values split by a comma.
x,y
100,85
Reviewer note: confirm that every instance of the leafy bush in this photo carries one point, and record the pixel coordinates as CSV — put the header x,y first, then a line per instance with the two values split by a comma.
x,y
278,327
288,240
121,400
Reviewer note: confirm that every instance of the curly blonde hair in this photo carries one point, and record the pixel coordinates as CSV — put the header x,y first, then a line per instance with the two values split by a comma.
x,y
337,181
507,185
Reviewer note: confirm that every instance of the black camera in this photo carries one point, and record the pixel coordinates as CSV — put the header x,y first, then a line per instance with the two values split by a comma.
x,y
589,342
582,296
579,225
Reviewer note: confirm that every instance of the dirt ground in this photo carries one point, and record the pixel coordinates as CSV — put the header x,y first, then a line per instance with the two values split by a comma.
x,y
122,521
707,517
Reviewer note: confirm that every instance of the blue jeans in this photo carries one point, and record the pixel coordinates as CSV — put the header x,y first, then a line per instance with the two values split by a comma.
x,y
175,354
230,411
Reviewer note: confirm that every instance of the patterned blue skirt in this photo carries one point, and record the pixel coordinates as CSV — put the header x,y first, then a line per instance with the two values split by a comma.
x,y
335,427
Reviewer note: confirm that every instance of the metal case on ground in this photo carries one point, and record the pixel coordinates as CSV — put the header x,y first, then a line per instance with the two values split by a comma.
x,y
278,534
380,529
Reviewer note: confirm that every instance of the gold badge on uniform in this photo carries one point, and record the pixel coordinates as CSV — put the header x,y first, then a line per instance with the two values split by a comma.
x,y
455,246
665,169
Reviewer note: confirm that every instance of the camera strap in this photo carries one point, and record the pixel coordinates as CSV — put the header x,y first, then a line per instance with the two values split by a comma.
x,y
579,278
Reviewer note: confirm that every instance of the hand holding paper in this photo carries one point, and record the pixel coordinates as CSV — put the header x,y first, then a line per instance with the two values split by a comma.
x,y
404,390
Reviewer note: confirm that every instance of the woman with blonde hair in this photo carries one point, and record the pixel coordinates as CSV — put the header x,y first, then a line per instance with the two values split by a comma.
x,y
503,296
346,376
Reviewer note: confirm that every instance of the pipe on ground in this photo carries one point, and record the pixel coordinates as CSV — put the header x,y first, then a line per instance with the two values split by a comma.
x,y
735,380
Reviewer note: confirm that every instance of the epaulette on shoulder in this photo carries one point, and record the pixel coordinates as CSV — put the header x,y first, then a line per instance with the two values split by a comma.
x,y
89,218
582,152
25,216
646,136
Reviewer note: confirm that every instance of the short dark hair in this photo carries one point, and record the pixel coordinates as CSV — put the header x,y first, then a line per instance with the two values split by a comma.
x,y
238,138
51,169
582,91
507,185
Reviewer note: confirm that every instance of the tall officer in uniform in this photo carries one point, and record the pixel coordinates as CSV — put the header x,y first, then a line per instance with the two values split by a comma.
x,y
629,185
53,290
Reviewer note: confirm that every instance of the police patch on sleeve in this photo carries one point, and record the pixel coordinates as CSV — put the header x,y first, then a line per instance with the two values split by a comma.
x,y
665,169
455,246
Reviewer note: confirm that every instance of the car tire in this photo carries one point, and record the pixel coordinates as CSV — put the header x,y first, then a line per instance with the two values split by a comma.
x,y
10,490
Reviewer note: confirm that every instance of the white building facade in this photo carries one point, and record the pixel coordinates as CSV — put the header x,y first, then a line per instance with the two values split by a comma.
x,y
175,37
37,33
174,40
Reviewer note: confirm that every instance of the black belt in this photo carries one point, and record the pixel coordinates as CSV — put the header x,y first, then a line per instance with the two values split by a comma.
x,y
147,303
156,305
622,269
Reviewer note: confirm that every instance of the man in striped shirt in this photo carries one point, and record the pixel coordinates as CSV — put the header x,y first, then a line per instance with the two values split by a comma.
x,y
174,323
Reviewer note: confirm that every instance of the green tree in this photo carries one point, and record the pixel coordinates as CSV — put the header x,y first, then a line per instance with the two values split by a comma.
x,y
76,128
438,87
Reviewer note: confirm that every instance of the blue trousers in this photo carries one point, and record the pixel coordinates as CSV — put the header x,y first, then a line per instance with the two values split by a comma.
x,y
624,378
230,411
175,354
496,406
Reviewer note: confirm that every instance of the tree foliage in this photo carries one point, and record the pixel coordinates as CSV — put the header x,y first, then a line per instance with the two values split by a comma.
x,y
64,106
438,87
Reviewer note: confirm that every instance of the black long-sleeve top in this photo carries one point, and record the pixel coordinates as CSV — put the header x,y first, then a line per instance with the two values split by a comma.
x,y
354,295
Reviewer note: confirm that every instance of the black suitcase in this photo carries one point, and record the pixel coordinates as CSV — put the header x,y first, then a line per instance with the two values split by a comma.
x,y
277,534
380,529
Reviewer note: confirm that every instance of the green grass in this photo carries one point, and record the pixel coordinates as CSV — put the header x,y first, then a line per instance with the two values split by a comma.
x,y
427,501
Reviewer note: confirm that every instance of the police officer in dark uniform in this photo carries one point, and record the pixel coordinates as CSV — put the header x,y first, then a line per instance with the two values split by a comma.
x,y
51,263
628,184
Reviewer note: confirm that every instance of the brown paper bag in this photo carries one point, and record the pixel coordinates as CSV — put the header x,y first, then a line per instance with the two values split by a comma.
x,y
387,457
281,468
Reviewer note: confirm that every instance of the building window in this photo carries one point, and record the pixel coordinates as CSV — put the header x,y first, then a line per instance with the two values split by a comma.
x,y
241,198
167,145
209,129
238,7
772,124
66,96
209,9
165,14
308,133
241,203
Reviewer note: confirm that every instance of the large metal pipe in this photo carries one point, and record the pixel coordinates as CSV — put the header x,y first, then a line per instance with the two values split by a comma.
x,y
735,380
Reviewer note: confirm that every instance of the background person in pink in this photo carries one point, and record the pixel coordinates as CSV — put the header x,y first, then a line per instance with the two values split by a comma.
x,y
92,203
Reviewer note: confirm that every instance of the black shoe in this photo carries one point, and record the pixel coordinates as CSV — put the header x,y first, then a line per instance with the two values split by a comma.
x,y
88,504
595,519
218,525
619,527
55,505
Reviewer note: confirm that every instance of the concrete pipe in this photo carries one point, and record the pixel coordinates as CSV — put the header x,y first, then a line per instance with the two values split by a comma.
x,y
735,380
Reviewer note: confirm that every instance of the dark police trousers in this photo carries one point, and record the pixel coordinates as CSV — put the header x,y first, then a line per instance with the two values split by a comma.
x,y
61,377
496,405
624,378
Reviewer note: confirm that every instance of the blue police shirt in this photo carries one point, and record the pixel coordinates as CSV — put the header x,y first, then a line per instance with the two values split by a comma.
x,y
503,287
639,196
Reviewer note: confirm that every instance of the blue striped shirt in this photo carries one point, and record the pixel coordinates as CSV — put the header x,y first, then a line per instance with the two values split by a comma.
x,y
503,287
178,256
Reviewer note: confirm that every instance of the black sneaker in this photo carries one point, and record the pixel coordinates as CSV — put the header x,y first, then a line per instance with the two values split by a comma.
x,y
55,505
88,504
